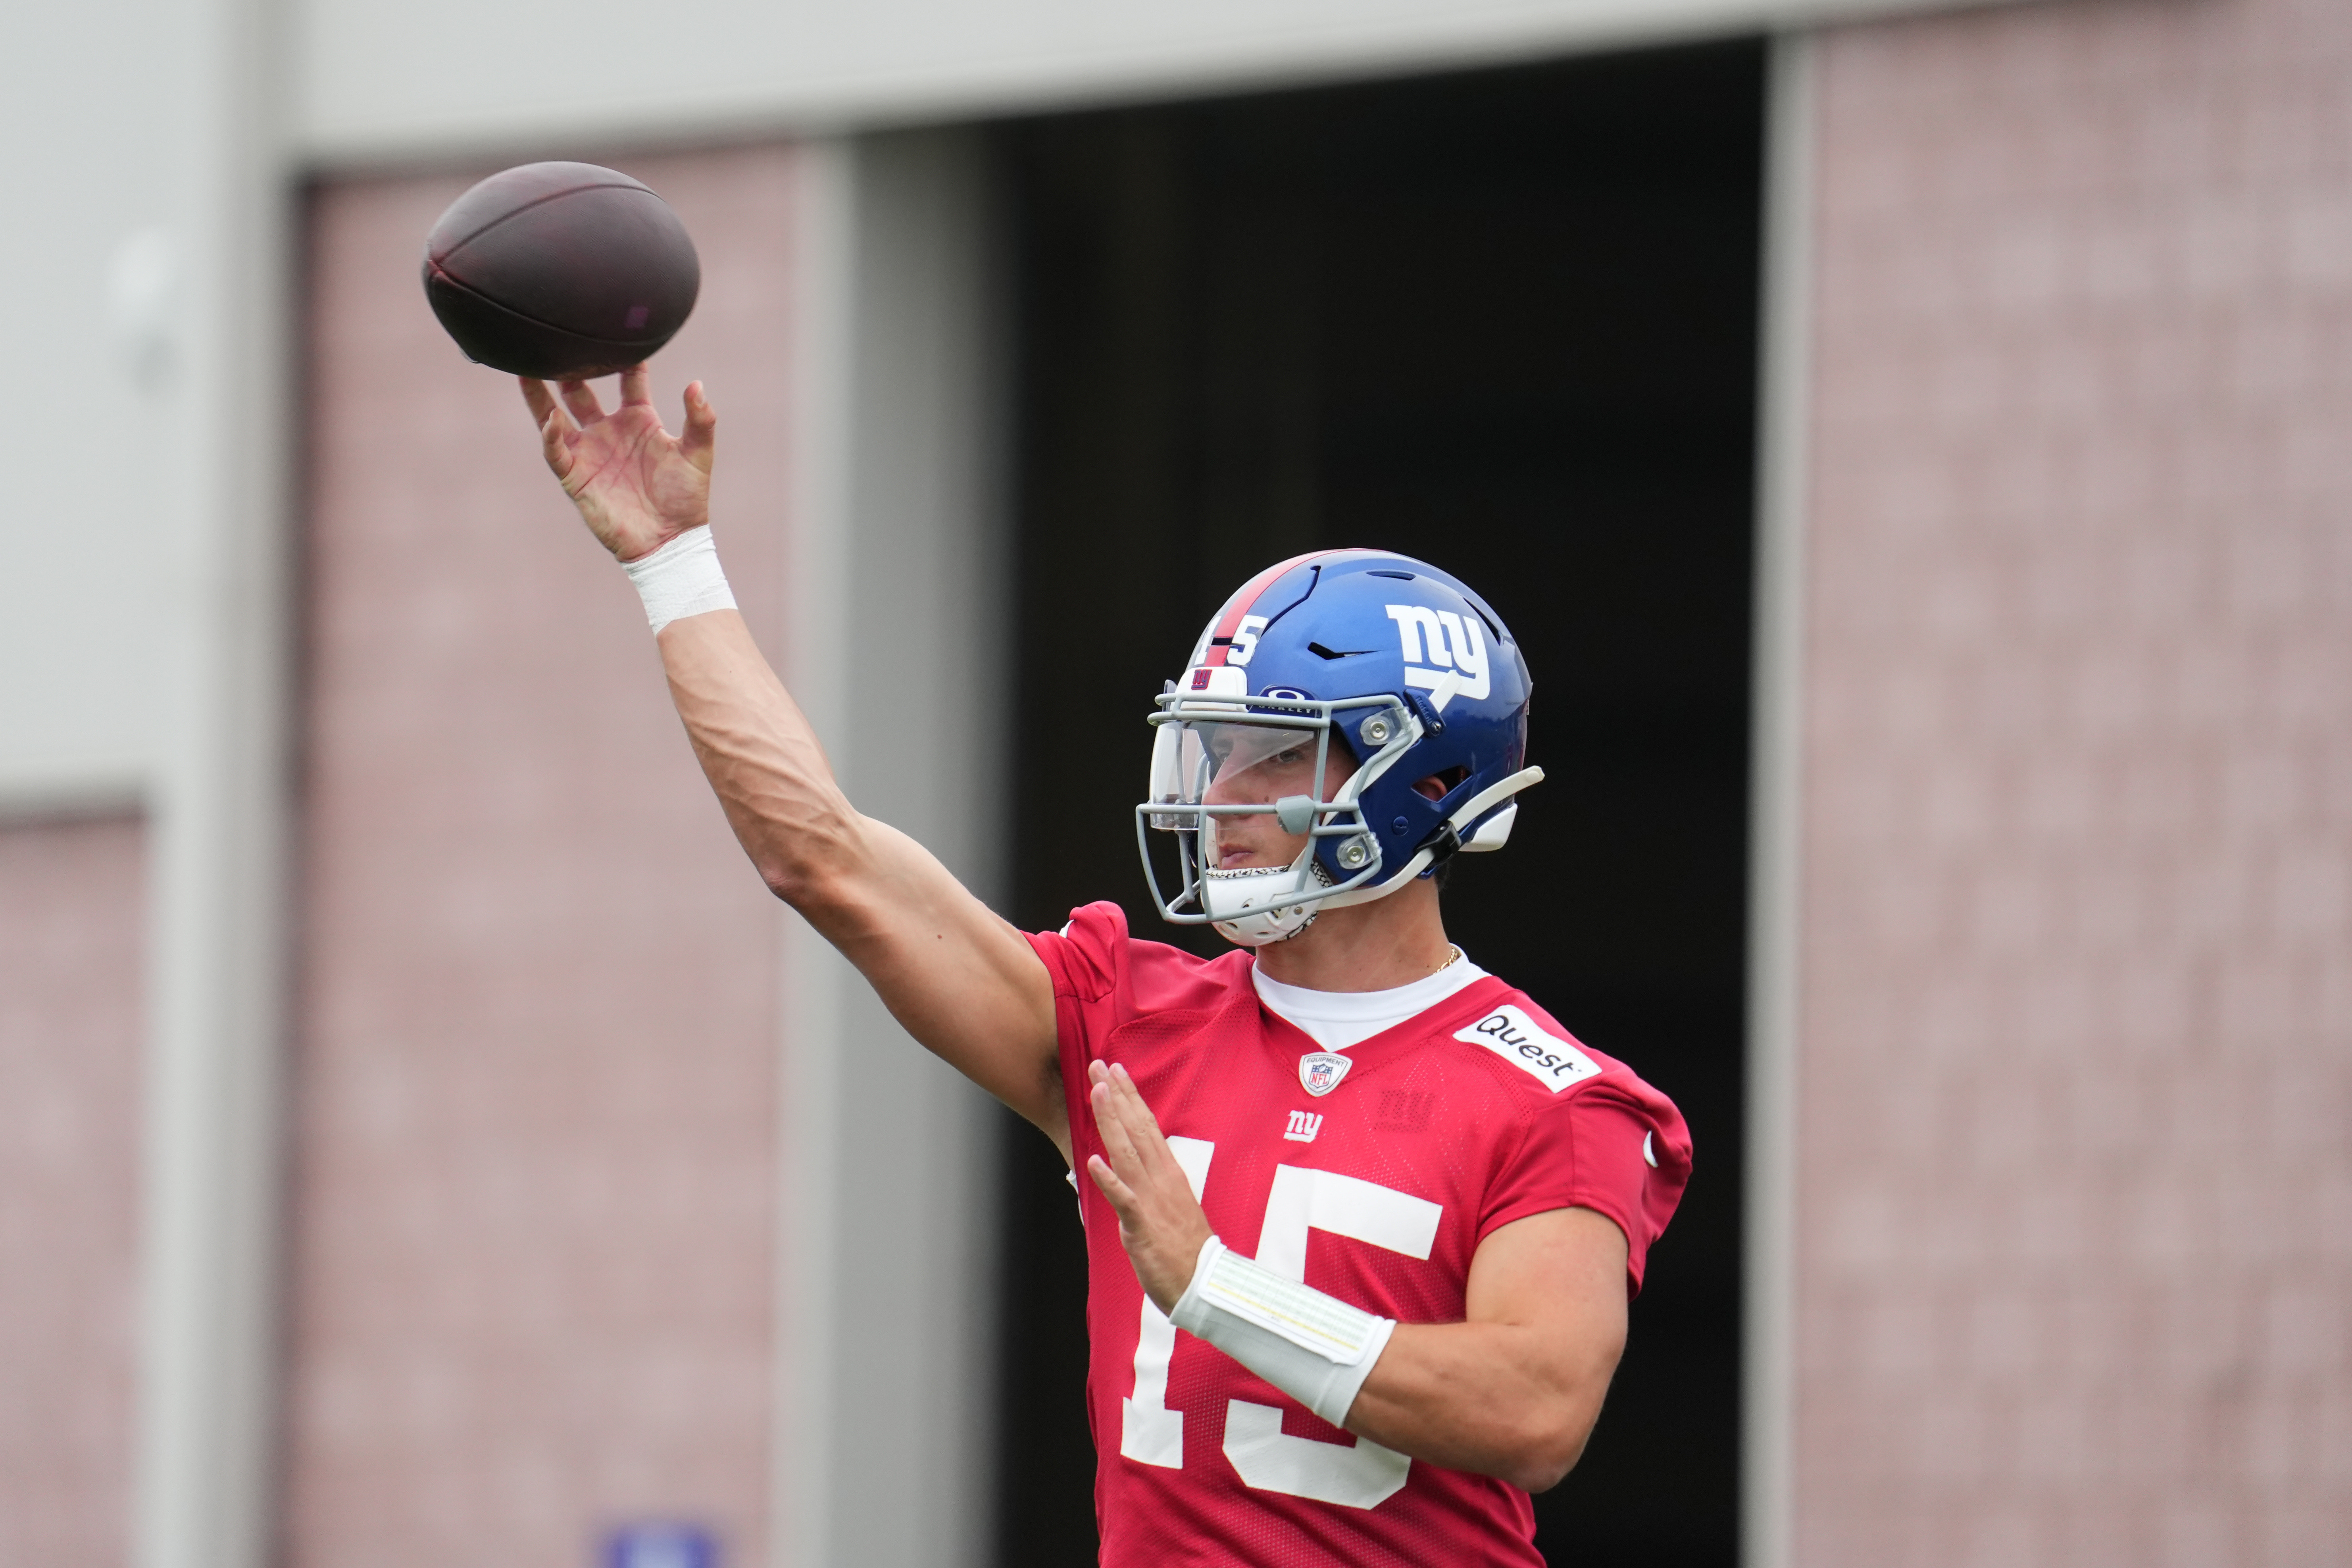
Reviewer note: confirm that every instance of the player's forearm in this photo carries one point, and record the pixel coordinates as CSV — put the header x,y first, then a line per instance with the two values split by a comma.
x,y
961,980
763,763
1495,1398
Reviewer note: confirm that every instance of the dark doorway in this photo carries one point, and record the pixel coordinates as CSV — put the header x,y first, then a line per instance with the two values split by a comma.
x,y
1505,321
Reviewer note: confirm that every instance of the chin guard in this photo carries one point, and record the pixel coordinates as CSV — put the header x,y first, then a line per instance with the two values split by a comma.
x,y
1241,904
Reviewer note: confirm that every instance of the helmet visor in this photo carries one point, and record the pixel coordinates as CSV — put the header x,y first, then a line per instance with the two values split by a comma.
x,y
1242,764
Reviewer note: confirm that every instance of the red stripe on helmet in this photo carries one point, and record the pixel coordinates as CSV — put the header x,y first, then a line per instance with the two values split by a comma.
x,y
1241,603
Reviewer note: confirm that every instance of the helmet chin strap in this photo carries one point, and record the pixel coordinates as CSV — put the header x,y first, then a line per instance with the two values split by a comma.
x,y
1468,812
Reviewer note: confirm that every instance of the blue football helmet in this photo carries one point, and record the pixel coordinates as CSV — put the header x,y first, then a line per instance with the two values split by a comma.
x,y
1407,670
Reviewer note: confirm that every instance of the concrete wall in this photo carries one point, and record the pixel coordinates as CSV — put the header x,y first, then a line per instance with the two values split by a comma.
x,y
372,79
534,1188
2075,1157
73,916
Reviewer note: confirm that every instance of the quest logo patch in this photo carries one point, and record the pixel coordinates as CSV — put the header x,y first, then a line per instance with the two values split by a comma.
x,y
1527,1045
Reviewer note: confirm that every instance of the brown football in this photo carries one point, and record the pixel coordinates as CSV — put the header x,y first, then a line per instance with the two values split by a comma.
x,y
561,270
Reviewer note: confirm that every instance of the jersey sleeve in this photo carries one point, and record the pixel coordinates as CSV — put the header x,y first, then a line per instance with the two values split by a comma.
x,y
1088,960
1084,957
1614,1145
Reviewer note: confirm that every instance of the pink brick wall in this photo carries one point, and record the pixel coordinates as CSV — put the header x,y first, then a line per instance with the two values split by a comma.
x,y
532,1261
72,947
2076,1150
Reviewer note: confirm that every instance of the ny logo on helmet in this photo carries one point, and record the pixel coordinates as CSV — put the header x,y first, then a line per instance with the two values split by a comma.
x,y
1455,647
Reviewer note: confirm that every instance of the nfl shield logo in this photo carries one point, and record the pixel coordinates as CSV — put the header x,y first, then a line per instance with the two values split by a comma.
x,y
1320,1073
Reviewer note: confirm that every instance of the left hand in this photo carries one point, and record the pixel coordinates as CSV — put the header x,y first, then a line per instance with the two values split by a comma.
x,y
1160,1221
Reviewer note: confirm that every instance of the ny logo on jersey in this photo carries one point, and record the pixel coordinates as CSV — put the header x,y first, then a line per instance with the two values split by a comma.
x,y
1453,646
1304,1125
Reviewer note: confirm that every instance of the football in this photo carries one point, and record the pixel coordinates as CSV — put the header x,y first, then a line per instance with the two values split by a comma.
x,y
561,270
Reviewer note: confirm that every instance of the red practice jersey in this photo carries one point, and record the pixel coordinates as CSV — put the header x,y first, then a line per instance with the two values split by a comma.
x,y
1377,1190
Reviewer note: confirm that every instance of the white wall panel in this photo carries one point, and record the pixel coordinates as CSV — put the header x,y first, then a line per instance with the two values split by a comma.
x,y
381,81
897,585
88,94
141,434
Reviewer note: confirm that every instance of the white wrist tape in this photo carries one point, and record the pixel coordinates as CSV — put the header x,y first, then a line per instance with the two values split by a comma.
x,y
681,579
1316,1348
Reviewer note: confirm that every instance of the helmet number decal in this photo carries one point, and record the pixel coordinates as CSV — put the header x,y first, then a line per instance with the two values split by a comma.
x,y
1452,645
1246,639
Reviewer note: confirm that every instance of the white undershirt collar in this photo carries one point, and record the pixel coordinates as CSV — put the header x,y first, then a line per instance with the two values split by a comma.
x,y
1339,1019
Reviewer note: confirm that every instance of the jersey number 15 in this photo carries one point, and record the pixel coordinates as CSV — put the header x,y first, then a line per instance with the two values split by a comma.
x,y
1360,1476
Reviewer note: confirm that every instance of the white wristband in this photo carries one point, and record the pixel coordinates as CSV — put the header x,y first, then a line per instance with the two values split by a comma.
x,y
1313,1347
682,578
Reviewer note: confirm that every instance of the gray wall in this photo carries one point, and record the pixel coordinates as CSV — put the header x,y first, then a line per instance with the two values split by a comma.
x,y
898,587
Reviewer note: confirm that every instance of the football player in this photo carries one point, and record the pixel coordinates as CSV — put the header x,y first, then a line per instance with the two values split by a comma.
x,y
1362,1221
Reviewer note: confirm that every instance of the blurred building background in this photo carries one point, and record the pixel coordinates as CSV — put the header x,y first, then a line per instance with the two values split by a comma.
x,y
1914,442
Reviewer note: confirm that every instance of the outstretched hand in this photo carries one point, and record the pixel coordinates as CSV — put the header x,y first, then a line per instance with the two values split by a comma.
x,y
637,486
1160,1223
